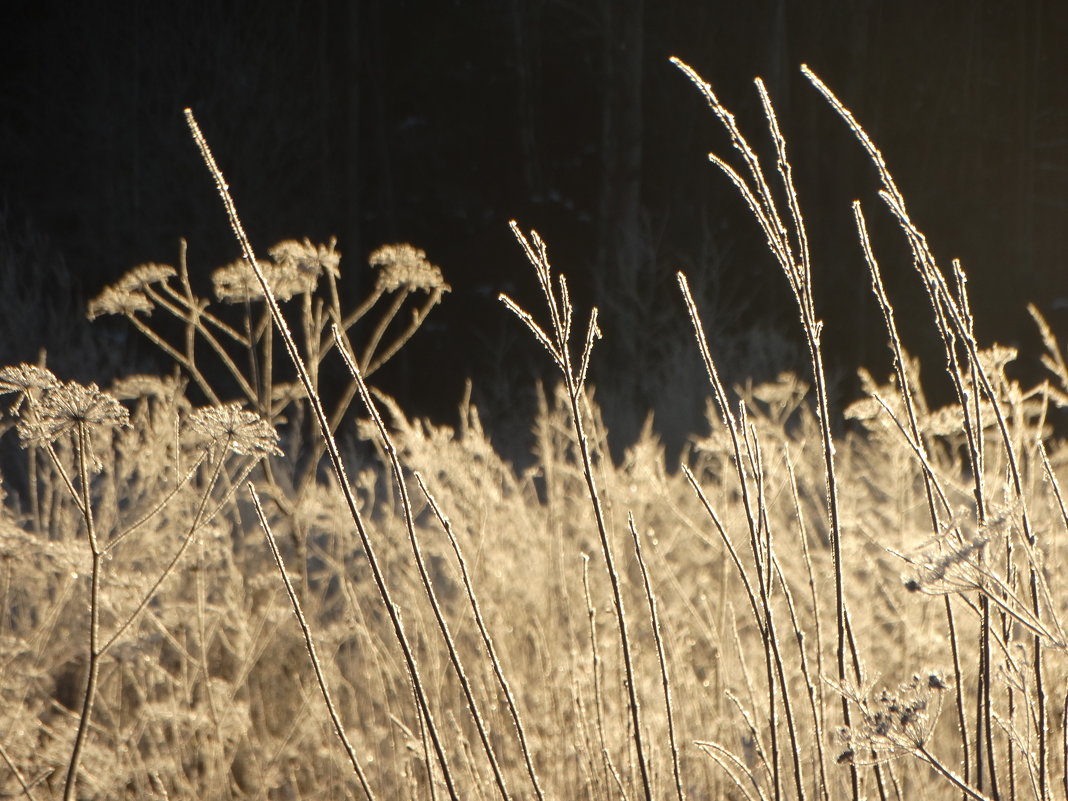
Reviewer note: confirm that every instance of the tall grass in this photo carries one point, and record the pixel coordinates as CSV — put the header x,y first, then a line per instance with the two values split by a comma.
x,y
804,609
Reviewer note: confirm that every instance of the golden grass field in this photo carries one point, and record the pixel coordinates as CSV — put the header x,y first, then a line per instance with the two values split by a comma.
x,y
288,593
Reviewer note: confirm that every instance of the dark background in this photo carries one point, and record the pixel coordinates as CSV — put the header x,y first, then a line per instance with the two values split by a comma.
x,y
434,123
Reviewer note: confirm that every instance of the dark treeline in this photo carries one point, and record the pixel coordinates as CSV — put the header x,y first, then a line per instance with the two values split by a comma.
x,y
436,122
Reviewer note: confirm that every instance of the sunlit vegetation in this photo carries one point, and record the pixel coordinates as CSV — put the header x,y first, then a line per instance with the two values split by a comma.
x,y
287,589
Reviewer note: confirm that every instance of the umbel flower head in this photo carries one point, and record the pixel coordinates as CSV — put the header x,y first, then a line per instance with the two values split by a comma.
x,y
308,259
893,722
404,266
144,275
67,405
25,378
119,300
236,283
128,295
234,429
293,269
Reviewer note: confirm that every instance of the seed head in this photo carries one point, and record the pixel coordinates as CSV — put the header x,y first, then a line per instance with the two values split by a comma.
x,y
404,266
144,275
119,300
894,722
25,378
236,430
308,259
236,283
66,405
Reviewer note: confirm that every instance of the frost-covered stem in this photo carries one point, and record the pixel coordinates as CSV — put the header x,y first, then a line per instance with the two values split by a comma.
x,y
418,690
93,669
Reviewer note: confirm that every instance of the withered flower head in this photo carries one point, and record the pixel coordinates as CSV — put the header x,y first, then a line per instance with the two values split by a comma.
x,y
404,266
949,566
119,300
236,283
25,377
236,429
894,722
293,269
67,405
143,275
307,259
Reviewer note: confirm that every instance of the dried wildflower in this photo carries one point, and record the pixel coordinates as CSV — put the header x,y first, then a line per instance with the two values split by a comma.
x,y
144,275
236,429
294,269
953,560
405,266
893,722
307,259
69,404
952,568
119,300
25,377
236,282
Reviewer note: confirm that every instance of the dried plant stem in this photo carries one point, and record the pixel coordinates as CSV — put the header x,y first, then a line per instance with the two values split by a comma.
x,y
26,788
419,315
32,475
765,559
617,592
930,484
332,449
793,258
93,663
958,690
420,562
986,704
858,677
559,347
955,780
189,301
191,315
654,620
215,742
809,686
380,329
756,515
199,518
178,357
815,688
160,506
595,669
724,758
339,727
487,640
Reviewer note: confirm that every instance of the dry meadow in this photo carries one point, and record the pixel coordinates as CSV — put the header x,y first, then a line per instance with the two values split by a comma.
x,y
289,593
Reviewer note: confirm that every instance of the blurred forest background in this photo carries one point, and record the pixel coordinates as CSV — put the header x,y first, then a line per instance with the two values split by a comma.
x,y
435,122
